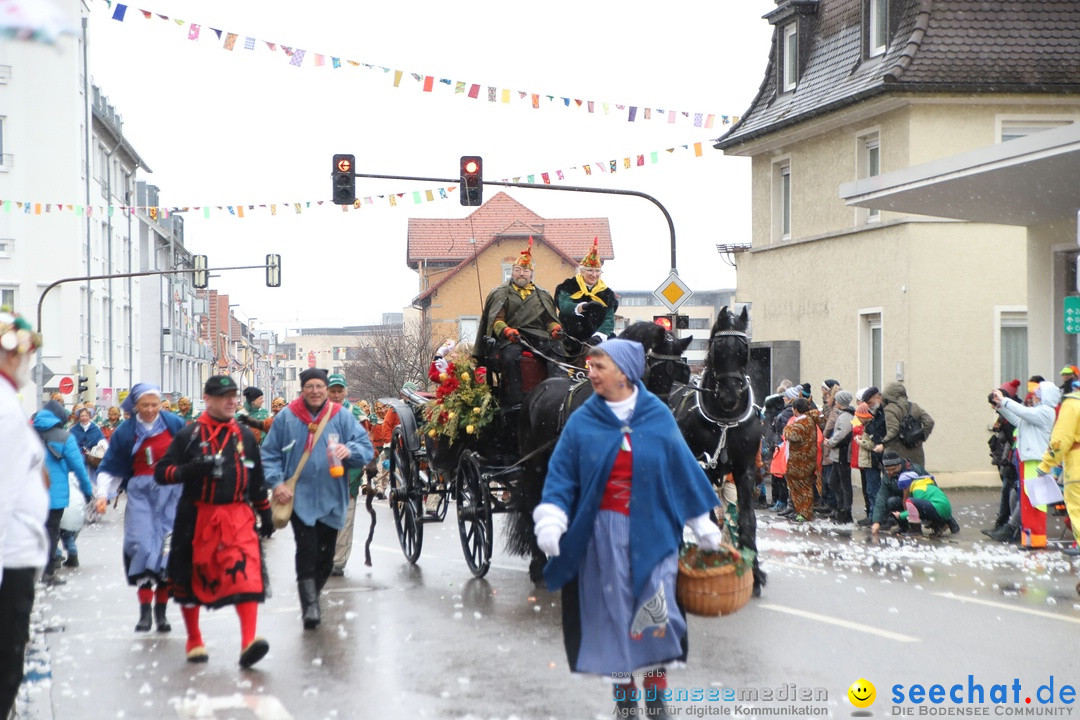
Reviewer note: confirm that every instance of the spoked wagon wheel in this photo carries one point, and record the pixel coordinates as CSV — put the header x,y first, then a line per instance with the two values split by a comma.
x,y
474,515
405,501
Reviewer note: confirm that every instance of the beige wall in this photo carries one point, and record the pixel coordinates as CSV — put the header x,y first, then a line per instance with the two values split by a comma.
x,y
464,293
939,285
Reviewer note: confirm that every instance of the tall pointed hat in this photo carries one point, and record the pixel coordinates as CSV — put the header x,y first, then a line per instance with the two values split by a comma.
x,y
592,259
525,258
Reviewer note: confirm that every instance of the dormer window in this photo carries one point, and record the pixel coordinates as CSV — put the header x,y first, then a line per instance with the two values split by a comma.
x,y
789,58
877,27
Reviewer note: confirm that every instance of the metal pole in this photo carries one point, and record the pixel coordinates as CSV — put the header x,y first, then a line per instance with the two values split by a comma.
x,y
40,379
537,186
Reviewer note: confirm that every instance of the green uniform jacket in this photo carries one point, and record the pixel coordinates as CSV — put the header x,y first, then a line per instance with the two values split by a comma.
x,y
534,316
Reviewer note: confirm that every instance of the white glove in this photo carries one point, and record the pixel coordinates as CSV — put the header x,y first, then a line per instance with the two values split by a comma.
x,y
441,365
708,534
551,523
445,348
548,540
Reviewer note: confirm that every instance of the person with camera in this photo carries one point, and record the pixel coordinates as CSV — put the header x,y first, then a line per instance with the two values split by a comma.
x,y
216,556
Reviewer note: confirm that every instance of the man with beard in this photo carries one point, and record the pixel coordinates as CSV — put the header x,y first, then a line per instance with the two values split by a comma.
x,y
586,305
512,310
23,541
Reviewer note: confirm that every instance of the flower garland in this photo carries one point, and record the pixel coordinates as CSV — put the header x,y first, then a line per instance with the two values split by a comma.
x,y
463,402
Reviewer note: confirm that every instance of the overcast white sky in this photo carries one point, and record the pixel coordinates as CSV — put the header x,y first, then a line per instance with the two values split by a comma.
x,y
245,127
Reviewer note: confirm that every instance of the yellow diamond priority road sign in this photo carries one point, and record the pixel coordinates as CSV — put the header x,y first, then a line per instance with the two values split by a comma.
x,y
673,292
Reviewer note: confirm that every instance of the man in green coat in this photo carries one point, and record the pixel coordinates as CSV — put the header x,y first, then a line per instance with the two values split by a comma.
x,y
336,390
515,310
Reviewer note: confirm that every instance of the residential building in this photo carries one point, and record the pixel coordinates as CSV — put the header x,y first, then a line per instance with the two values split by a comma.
x,y
329,349
461,260
855,94
174,355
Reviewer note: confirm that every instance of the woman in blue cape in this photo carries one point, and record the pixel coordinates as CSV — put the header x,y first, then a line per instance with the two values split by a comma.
x,y
620,486
134,450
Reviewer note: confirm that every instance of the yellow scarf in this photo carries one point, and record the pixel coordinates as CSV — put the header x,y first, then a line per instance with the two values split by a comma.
x,y
525,291
584,292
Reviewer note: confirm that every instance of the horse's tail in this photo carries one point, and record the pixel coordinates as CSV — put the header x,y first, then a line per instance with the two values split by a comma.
x,y
538,424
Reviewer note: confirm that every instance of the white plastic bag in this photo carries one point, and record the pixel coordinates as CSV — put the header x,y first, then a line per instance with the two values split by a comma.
x,y
73,517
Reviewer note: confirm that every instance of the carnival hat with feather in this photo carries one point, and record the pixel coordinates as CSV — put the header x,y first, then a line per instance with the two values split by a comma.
x,y
592,259
525,258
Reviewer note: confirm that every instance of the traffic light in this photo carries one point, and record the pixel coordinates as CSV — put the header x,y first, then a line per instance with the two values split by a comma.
x,y
87,387
344,179
201,277
682,322
472,181
663,321
273,271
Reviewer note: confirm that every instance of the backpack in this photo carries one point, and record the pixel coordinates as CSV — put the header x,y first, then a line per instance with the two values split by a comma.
x,y
911,430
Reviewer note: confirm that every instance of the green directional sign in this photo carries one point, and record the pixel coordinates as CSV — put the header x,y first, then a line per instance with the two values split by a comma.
x,y
1072,315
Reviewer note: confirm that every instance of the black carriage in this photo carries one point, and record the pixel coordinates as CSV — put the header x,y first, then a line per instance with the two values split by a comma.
x,y
427,474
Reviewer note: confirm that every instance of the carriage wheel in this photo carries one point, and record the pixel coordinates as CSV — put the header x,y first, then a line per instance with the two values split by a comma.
x,y
474,515
405,501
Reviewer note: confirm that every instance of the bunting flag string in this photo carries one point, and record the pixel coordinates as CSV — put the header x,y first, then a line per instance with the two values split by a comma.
x,y
432,84
418,197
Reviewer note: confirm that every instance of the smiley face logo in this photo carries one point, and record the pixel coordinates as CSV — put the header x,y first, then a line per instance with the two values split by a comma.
x,y
862,693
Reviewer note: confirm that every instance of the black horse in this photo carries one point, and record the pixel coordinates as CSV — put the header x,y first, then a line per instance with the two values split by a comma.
x,y
545,410
721,424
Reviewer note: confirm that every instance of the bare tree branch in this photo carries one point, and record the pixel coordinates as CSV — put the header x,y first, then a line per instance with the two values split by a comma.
x,y
390,358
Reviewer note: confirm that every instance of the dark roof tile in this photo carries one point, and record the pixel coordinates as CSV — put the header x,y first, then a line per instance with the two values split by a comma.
x,y
965,45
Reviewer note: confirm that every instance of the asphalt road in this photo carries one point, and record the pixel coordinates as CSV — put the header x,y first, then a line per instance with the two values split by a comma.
x,y
429,641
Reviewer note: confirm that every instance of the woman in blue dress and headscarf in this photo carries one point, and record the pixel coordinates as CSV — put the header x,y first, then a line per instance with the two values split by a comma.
x,y
134,450
620,485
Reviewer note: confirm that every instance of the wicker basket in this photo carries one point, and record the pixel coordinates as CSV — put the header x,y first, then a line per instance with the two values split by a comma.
x,y
716,589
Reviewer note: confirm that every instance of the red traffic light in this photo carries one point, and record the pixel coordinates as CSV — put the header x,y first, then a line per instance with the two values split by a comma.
x,y
344,164
471,167
663,321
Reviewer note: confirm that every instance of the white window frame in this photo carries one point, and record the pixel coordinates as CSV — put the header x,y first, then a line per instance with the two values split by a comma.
x,y
1017,126
789,58
781,199
877,27
9,295
1007,316
867,149
464,323
7,247
871,320
507,270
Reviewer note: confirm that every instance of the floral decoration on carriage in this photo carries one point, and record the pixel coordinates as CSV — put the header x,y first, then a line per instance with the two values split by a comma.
x,y
463,403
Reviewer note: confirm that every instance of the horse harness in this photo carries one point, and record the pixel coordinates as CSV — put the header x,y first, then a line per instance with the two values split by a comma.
x,y
696,388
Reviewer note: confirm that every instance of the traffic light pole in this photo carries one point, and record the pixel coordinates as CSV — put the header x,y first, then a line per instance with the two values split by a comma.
x,y
539,186
40,379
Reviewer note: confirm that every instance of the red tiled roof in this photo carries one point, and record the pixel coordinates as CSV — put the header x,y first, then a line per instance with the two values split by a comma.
x,y
447,240
468,261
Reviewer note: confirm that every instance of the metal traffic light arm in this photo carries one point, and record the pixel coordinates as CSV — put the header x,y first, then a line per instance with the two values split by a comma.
x,y
39,380
539,186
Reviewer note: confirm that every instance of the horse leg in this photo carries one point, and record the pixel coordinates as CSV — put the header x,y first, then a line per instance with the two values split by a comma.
x,y
745,486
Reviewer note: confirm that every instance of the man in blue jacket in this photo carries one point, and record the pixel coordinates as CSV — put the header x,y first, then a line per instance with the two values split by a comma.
x,y
320,500
62,455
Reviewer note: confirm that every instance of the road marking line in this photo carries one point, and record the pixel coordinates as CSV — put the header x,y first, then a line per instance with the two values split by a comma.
x,y
842,623
1005,606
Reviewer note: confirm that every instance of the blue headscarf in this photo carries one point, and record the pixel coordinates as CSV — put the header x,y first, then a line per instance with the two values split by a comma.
x,y
628,355
128,406
137,392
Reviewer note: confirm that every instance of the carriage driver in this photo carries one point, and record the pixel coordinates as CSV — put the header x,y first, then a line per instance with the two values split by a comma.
x,y
586,305
514,309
